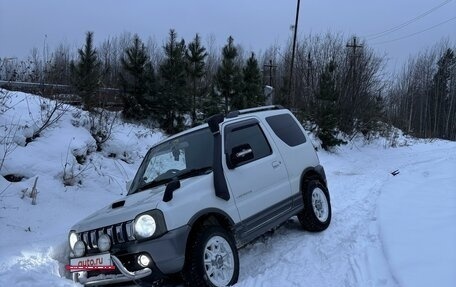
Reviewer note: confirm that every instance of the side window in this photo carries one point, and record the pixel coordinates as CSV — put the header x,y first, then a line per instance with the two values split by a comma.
x,y
286,128
245,144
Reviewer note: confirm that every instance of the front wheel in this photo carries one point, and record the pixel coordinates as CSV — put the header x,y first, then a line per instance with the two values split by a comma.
x,y
213,259
316,215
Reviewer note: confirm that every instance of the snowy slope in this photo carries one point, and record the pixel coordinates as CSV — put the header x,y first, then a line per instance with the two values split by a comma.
x,y
386,230
34,236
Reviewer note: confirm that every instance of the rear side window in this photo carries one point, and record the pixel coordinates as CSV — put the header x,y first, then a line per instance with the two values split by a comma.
x,y
286,128
251,135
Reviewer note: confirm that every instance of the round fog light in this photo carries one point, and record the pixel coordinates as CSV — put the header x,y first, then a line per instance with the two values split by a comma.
x,y
79,248
104,243
143,260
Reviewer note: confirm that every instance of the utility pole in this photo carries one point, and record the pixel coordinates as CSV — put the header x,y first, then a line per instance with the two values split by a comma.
x,y
293,54
352,83
354,46
270,66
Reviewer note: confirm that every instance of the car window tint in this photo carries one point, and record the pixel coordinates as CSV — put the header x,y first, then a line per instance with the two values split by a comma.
x,y
287,129
252,135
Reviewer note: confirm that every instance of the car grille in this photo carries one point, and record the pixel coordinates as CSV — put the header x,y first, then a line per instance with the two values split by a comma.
x,y
119,233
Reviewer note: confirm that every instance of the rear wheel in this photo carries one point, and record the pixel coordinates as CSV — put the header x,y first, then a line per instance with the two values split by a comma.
x,y
213,259
316,215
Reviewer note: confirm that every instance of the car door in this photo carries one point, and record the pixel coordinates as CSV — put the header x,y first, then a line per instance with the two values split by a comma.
x,y
255,173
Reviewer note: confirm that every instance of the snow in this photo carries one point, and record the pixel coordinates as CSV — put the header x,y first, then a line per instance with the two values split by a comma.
x,y
419,233
386,230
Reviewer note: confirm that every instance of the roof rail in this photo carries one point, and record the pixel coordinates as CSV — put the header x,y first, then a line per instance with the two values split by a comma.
x,y
234,114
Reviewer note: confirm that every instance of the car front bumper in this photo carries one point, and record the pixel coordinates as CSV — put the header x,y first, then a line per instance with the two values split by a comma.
x,y
167,253
104,279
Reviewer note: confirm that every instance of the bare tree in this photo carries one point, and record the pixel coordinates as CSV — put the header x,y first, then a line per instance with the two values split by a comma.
x,y
58,71
36,67
155,52
422,101
50,113
8,141
212,60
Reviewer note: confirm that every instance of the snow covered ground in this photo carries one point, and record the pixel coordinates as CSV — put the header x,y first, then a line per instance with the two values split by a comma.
x,y
386,230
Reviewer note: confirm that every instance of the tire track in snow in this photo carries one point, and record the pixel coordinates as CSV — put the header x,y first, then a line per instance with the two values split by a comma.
x,y
348,253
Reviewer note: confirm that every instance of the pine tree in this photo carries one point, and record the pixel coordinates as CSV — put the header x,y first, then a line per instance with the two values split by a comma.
x,y
211,103
86,73
252,90
172,98
196,69
327,110
229,78
138,81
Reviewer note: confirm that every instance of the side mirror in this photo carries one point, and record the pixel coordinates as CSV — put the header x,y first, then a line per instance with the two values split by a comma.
x,y
239,154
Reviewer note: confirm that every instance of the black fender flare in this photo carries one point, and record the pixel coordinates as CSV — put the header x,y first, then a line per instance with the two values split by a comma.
x,y
210,211
316,172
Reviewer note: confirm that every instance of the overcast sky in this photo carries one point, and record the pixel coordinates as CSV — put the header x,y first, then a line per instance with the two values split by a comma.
x,y
255,24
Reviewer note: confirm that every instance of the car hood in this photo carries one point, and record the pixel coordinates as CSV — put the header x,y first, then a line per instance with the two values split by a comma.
x,y
128,207
124,209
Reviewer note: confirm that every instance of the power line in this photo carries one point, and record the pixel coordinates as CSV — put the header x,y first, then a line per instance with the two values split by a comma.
x,y
400,26
416,33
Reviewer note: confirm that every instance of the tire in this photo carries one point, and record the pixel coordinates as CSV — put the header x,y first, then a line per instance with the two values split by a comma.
x,y
212,259
316,215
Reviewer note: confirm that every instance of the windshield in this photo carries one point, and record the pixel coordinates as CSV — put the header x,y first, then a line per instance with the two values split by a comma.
x,y
185,156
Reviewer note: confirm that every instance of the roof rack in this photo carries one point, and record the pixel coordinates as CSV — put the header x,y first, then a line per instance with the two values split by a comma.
x,y
234,114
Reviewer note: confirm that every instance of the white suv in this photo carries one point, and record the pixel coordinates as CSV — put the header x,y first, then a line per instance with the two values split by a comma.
x,y
200,195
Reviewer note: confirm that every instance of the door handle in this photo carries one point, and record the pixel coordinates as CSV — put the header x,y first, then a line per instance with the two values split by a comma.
x,y
276,164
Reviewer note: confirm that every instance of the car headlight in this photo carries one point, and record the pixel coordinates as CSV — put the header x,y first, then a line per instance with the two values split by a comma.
x,y
72,239
145,226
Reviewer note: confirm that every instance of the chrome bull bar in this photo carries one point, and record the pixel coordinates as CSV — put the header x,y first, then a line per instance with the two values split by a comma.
x,y
104,279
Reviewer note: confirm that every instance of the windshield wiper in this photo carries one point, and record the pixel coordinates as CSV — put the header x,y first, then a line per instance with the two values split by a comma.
x,y
194,172
153,183
182,175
